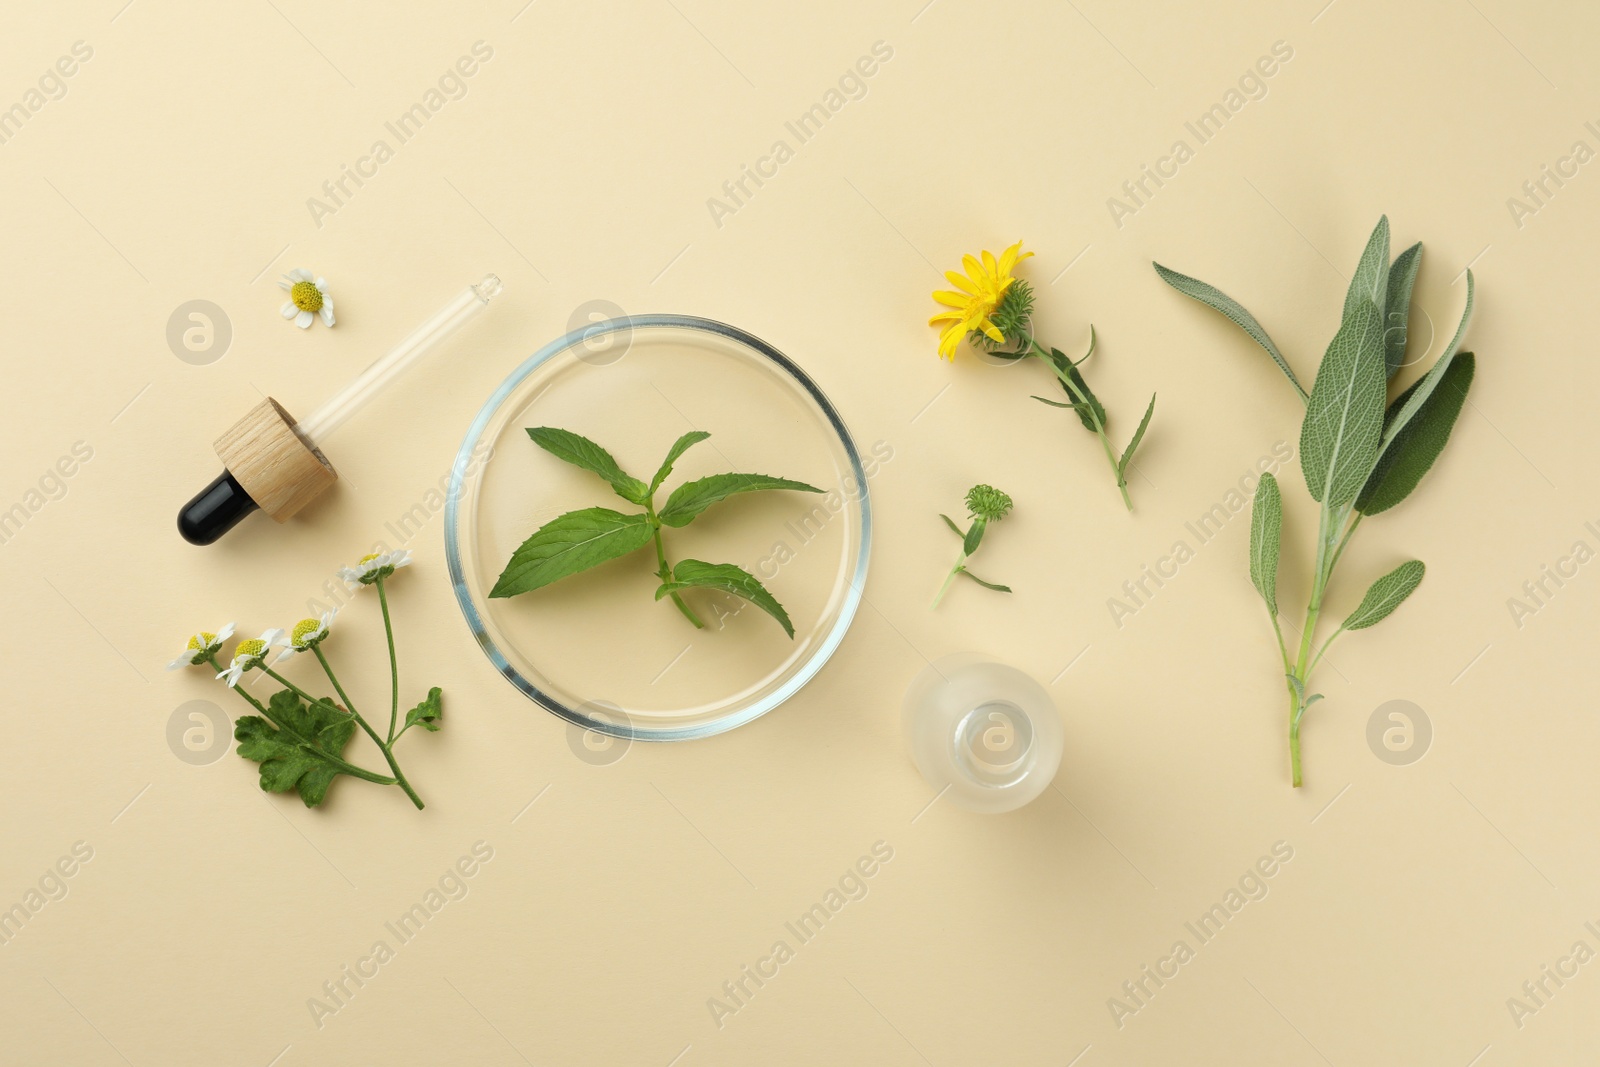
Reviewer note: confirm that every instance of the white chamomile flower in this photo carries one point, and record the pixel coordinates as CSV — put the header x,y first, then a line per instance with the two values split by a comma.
x,y
375,567
251,653
201,647
308,298
307,634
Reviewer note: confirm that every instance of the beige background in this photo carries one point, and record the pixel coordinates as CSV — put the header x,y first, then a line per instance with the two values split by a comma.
x,y
578,164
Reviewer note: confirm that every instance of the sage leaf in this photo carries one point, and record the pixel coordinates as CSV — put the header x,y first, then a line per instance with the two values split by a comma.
x,y
1371,279
582,452
691,498
986,585
1412,452
679,447
1138,435
291,748
1430,381
1266,531
1344,417
726,578
426,714
1385,595
571,543
1089,409
1216,299
1397,310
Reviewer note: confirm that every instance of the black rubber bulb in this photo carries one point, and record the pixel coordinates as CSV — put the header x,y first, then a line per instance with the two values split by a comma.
x,y
214,510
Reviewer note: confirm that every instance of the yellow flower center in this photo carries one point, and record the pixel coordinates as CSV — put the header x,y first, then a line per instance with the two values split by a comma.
x,y
250,649
306,296
369,557
203,639
303,629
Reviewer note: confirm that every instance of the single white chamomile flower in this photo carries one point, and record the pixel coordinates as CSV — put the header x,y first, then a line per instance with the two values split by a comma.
x,y
307,634
201,647
250,654
376,566
308,298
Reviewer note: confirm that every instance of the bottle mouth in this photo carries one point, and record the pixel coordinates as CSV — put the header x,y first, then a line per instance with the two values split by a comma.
x,y
489,288
993,742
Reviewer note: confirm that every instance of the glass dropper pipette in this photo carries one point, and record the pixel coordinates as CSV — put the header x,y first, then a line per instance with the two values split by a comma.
x,y
218,507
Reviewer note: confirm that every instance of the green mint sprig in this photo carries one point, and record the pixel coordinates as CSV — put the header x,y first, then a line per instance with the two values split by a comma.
x,y
1361,453
580,540
985,504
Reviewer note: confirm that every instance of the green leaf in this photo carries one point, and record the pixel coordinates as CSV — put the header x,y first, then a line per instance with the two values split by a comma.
x,y
948,521
426,714
691,498
986,585
726,578
1371,279
1385,595
1138,435
679,447
1215,298
582,452
1059,404
1413,451
571,543
1344,417
291,749
1266,530
1089,408
974,536
1424,388
1397,310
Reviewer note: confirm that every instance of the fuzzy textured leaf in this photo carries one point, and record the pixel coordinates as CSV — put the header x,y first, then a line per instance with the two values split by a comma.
x,y
1385,595
291,749
691,498
571,543
1371,279
427,713
726,578
1216,299
1397,310
1412,452
1344,417
1424,388
1266,531
679,447
582,452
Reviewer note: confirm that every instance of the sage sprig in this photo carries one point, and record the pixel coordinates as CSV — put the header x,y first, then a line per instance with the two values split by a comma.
x,y
985,504
1360,452
580,540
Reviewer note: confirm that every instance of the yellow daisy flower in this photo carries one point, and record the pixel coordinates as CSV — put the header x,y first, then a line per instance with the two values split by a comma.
x,y
980,291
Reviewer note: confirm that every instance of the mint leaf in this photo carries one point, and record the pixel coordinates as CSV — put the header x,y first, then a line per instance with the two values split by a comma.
x,y
1413,450
1385,595
1371,279
1344,417
691,498
679,447
1266,528
1397,310
426,714
571,543
291,748
726,578
582,452
1216,299
1430,381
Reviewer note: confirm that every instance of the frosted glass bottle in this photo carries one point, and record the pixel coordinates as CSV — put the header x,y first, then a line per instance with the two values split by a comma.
x,y
983,732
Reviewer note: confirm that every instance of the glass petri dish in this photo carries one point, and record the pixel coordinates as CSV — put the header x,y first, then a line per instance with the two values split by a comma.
x,y
596,648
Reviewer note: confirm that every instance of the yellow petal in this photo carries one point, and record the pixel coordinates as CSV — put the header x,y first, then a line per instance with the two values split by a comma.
x,y
993,332
948,316
1008,259
990,267
955,300
974,269
960,281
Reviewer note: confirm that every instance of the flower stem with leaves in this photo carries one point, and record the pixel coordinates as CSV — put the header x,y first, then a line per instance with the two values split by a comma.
x,y
985,504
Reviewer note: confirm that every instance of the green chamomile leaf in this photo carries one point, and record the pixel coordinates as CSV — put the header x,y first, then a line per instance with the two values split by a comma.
x,y
679,447
1089,408
1371,279
726,578
958,531
691,498
1412,452
986,585
571,543
974,536
1266,528
1419,395
1385,595
582,452
427,713
1344,417
1215,298
1138,435
291,749
1397,309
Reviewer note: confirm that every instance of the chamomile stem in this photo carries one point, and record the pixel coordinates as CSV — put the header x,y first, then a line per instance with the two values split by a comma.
x,y
394,665
399,776
1094,416
664,571
960,566
346,768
